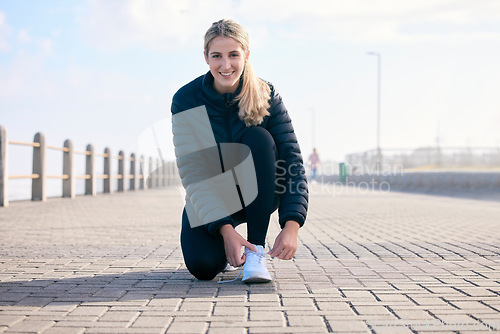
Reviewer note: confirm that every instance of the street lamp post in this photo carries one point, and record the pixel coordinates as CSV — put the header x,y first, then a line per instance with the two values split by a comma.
x,y
313,127
379,152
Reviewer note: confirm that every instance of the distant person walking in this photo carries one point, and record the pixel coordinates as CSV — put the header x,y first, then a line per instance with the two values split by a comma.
x,y
314,163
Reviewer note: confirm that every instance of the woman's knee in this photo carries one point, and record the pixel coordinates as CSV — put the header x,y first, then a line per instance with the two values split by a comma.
x,y
204,269
257,138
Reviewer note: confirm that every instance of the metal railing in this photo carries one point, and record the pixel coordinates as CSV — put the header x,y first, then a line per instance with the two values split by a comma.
x,y
160,174
426,157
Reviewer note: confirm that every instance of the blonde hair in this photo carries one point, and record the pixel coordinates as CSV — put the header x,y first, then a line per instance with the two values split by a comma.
x,y
255,93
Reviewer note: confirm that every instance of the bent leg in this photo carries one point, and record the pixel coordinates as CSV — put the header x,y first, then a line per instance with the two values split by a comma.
x,y
258,213
204,255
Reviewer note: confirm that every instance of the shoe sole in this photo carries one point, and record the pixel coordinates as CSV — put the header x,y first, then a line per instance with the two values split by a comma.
x,y
256,280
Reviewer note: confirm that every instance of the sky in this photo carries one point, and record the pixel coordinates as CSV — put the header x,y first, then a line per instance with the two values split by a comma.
x,y
104,72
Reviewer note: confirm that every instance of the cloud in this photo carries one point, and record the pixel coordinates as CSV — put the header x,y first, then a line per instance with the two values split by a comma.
x,y
166,25
46,45
359,21
22,72
5,32
158,25
23,36
25,74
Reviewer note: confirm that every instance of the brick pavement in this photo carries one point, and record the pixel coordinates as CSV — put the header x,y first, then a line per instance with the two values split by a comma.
x,y
367,262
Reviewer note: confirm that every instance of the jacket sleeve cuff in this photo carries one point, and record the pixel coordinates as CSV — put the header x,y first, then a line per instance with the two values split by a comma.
x,y
297,217
213,228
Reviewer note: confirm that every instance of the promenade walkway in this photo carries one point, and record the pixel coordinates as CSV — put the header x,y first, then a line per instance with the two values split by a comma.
x,y
367,262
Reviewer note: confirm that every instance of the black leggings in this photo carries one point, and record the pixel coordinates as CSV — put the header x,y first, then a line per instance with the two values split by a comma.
x,y
203,253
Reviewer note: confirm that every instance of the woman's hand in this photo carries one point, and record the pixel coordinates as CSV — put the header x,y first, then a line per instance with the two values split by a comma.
x,y
285,244
233,242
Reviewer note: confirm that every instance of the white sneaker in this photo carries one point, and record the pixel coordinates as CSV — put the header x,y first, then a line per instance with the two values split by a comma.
x,y
255,269
230,268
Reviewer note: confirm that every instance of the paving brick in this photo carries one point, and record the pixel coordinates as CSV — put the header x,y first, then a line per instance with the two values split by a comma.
x,y
97,324
9,320
305,321
347,326
392,297
168,303
231,311
64,330
478,292
336,306
309,330
12,296
262,315
492,323
429,301
196,306
152,321
218,330
119,316
34,301
263,298
303,303
30,326
89,311
124,330
233,323
414,314
456,319
370,310
80,318
187,327
471,306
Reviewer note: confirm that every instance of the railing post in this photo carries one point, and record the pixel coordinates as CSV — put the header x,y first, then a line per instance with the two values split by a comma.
x,y
108,189
171,166
69,183
121,171
157,173
173,173
163,174
150,183
169,173
38,185
4,164
90,184
133,174
141,173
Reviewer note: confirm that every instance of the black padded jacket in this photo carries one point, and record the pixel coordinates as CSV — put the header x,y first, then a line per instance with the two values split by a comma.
x,y
228,128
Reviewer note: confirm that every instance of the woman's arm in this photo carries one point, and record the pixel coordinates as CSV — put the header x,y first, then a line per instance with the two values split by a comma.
x,y
233,242
285,244
291,180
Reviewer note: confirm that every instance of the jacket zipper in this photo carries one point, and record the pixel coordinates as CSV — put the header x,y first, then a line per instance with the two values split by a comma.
x,y
227,118
230,139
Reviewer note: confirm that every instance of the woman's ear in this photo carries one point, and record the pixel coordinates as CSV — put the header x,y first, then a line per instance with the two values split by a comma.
x,y
247,54
206,57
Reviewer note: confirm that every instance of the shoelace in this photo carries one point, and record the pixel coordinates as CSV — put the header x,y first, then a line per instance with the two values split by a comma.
x,y
262,255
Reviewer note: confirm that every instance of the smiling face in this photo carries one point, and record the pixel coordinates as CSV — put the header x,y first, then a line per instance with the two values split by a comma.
x,y
226,59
